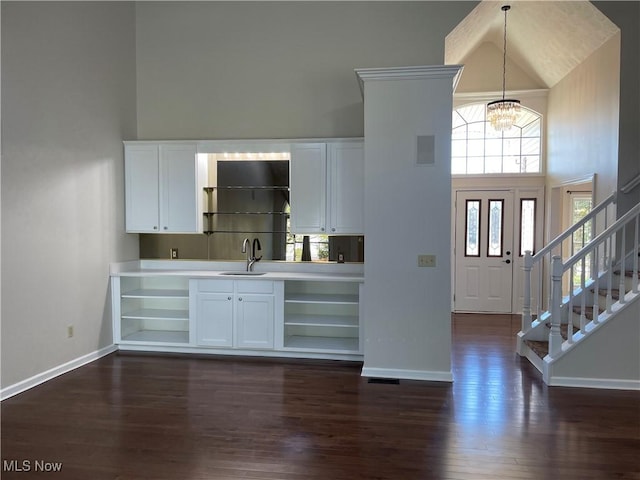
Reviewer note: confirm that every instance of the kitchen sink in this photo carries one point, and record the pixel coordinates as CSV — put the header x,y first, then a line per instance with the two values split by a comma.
x,y
252,274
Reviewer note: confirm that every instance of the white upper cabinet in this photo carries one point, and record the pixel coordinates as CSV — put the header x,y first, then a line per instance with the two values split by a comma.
x,y
327,188
346,188
163,188
308,191
141,172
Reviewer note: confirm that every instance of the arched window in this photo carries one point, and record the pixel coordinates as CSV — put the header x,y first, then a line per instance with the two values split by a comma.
x,y
476,148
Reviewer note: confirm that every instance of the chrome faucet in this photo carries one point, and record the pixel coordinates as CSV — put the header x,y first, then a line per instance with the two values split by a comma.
x,y
254,259
245,249
251,255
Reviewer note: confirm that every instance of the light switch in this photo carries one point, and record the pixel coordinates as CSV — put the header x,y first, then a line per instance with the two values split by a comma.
x,y
426,260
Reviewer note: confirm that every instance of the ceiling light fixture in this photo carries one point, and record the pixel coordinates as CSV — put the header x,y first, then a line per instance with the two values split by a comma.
x,y
502,114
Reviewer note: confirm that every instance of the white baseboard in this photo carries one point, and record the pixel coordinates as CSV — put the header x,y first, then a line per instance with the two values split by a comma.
x,y
402,374
604,383
20,387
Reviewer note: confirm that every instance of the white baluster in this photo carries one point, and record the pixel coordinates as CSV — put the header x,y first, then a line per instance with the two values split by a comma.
x,y
526,307
609,275
596,284
555,338
623,265
583,299
636,243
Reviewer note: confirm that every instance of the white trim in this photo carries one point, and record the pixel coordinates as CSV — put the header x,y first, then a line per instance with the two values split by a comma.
x,y
409,73
407,374
229,352
603,383
487,96
52,373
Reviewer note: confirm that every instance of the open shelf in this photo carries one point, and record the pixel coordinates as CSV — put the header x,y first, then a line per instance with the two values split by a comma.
x,y
246,187
324,344
157,314
332,298
321,321
157,336
156,293
322,317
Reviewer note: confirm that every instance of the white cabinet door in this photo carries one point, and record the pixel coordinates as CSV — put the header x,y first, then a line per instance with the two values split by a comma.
x,y
214,319
346,188
308,188
179,189
254,321
163,188
141,188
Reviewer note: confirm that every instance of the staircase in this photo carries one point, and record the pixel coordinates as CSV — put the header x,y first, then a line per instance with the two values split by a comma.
x,y
589,332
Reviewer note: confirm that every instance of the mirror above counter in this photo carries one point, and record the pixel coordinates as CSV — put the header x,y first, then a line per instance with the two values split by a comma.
x,y
258,189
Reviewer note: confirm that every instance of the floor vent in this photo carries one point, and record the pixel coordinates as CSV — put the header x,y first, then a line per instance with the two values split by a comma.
x,y
385,381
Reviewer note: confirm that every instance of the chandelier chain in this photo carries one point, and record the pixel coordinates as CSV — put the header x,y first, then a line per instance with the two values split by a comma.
x,y
504,52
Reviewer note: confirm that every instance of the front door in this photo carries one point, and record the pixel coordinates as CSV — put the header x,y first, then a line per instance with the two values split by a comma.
x,y
484,251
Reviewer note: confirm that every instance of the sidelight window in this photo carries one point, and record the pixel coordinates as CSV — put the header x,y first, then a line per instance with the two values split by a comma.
x,y
496,220
472,229
527,225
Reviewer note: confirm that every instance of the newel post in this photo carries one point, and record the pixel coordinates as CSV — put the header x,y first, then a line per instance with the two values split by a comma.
x,y
526,307
555,338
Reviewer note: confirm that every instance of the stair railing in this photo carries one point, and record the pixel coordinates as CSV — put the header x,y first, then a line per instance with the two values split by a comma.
x,y
599,253
535,265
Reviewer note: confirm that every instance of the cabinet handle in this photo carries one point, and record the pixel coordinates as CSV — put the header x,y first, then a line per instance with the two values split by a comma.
x,y
240,299
155,227
228,298
333,229
322,229
166,228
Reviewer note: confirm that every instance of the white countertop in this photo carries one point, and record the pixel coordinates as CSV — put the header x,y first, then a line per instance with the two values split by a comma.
x,y
219,270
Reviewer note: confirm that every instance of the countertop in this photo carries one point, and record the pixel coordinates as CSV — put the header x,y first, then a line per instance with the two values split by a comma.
x,y
220,270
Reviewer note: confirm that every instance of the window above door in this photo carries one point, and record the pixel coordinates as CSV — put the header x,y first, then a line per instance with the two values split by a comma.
x,y
477,149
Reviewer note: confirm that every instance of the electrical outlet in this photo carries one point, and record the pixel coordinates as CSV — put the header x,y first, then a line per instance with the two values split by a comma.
x,y
174,253
426,260
69,331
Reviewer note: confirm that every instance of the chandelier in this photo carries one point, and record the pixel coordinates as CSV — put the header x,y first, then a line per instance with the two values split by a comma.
x,y
502,114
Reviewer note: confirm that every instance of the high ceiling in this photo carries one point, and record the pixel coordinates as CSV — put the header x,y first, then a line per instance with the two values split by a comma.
x,y
547,39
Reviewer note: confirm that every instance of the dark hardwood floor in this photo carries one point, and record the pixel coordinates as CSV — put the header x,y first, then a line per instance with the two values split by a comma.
x,y
146,417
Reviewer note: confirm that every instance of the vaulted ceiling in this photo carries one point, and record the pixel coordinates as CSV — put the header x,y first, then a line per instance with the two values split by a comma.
x,y
547,39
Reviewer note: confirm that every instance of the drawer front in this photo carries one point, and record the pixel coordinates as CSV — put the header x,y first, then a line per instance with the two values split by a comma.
x,y
215,286
254,286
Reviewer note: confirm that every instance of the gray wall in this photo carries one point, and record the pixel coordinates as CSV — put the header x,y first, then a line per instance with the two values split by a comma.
x,y
274,69
582,122
68,100
626,15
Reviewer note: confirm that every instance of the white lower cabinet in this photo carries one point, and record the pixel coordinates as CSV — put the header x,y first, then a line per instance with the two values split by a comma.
x,y
214,324
237,314
300,318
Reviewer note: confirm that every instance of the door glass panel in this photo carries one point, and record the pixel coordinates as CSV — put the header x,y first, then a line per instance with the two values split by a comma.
x,y
472,229
580,206
494,244
527,225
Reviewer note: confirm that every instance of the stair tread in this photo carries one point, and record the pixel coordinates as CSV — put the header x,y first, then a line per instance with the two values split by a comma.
x,y
627,273
615,293
588,311
540,348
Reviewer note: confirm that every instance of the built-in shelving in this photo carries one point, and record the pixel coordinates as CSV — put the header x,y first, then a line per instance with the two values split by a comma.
x,y
154,310
326,298
210,212
322,344
321,317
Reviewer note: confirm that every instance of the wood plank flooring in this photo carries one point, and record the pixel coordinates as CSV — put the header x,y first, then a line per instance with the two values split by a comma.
x,y
131,417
